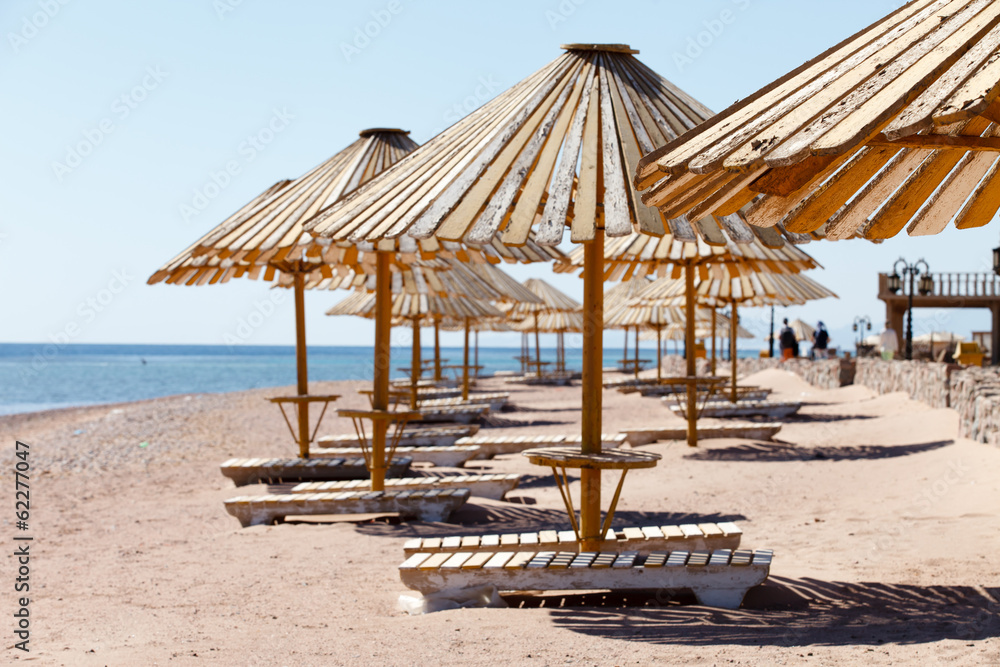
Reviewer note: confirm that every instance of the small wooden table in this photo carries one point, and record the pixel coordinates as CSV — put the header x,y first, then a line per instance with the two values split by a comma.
x,y
358,418
560,458
299,400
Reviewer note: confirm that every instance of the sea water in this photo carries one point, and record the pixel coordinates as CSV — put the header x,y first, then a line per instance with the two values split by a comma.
x,y
47,376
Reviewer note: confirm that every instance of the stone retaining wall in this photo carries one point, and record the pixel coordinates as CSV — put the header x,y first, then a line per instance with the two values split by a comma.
x,y
974,393
923,381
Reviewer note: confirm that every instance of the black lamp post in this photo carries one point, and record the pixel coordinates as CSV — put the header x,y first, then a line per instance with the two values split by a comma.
x,y
925,287
996,261
862,323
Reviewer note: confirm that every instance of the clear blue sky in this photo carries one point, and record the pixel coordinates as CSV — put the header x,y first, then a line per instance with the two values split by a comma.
x,y
164,94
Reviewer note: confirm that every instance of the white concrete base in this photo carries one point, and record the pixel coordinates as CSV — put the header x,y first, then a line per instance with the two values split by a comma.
x,y
716,585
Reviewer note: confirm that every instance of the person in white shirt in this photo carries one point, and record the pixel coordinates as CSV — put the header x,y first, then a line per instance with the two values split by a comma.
x,y
888,342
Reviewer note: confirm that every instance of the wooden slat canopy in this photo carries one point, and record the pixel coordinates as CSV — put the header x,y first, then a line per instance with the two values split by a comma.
x,y
896,127
548,300
751,289
637,255
441,277
417,306
553,151
267,233
703,330
551,322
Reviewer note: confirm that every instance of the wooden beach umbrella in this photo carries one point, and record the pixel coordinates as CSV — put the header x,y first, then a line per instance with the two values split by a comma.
x,y
737,250
475,326
442,281
616,297
266,238
720,289
554,151
414,308
549,300
895,127
558,322
644,316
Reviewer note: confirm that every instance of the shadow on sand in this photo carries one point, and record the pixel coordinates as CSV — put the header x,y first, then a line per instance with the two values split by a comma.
x,y
493,421
785,612
771,452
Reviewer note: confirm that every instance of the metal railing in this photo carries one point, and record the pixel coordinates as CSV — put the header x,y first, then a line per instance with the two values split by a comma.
x,y
954,285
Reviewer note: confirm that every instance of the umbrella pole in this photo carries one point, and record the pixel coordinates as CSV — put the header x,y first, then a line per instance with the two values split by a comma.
x,y
732,354
465,364
659,354
538,351
302,372
380,395
637,353
477,352
437,349
415,364
692,388
593,333
713,340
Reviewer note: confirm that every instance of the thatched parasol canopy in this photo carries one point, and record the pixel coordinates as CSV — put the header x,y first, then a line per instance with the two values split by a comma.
x,y
894,127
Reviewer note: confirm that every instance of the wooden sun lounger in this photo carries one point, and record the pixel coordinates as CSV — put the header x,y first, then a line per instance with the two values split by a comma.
x,y
495,401
719,578
424,505
554,379
645,540
492,445
406,383
637,437
276,471
723,408
451,456
438,436
489,485
743,394
460,414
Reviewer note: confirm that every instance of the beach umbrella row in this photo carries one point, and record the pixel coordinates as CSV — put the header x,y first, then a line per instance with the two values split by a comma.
x,y
719,288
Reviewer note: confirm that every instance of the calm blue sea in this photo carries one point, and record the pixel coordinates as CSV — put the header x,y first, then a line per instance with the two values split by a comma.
x,y
44,376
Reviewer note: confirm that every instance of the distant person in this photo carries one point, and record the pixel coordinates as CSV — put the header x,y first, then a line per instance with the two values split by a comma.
x,y
821,340
787,342
888,342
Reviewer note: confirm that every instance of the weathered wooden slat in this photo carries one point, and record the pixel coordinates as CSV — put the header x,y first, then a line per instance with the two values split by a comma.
x,y
919,115
671,158
873,105
779,122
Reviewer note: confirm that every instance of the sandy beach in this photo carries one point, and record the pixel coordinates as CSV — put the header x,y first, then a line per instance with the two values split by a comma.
x,y
883,524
